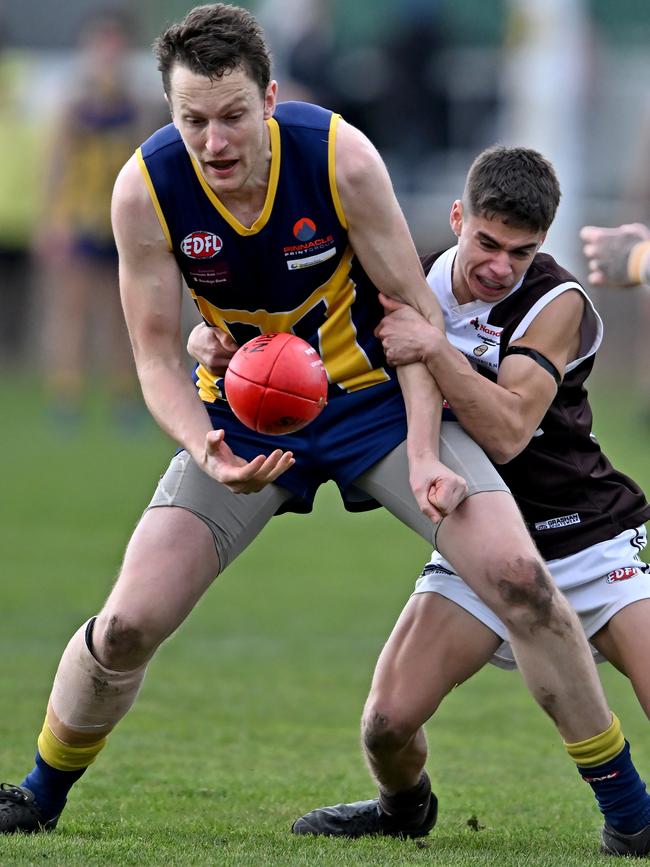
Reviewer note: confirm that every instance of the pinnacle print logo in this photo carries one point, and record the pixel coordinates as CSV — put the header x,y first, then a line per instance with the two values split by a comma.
x,y
304,229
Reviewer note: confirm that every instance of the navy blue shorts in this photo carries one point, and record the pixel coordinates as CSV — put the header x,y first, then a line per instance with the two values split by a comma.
x,y
352,433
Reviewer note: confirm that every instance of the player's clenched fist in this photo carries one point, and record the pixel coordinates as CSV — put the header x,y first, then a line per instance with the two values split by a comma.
x,y
437,489
617,257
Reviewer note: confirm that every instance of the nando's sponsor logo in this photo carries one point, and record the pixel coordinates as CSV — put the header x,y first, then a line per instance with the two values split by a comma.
x,y
486,332
201,245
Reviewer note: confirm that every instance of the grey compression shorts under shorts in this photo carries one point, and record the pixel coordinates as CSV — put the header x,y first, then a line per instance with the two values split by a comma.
x,y
236,519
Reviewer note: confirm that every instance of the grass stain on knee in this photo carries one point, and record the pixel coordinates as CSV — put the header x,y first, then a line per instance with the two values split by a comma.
x,y
534,592
122,640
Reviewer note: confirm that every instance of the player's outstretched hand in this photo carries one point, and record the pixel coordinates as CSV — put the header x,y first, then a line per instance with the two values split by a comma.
x,y
608,252
211,347
404,333
240,476
437,489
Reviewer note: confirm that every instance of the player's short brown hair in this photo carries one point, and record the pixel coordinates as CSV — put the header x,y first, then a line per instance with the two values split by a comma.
x,y
213,40
517,185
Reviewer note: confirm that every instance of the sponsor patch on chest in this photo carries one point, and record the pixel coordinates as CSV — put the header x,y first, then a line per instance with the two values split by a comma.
x,y
310,246
201,245
478,341
490,334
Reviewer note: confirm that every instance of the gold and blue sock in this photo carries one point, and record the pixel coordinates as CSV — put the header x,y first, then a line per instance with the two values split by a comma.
x,y
50,787
604,761
58,767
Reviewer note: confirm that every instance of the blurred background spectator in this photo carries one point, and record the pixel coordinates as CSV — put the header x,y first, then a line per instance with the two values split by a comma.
x,y
431,81
96,125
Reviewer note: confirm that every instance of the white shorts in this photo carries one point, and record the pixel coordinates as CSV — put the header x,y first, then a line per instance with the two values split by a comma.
x,y
598,581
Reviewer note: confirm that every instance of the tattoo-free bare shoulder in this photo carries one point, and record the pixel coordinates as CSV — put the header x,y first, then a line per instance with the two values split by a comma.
x,y
357,159
132,211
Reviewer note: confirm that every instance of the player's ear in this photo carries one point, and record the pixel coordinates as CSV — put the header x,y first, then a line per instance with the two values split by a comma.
x,y
456,217
169,104
270,99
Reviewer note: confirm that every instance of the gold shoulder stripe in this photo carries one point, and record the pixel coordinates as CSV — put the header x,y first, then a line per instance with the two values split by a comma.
x,y
274,174
331,165
154,197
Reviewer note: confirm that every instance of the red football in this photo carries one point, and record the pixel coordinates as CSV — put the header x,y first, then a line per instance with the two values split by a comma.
x,y
276,383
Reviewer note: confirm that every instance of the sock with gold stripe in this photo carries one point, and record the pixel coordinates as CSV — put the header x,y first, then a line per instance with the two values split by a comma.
x,y
50,786
604,762
58,767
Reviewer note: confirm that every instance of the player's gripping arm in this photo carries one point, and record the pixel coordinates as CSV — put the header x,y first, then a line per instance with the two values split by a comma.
x,y
151,287
500,416
618,257
381,240
211,347
377,227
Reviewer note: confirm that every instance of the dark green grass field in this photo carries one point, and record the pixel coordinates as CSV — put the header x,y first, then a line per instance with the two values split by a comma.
x,y
249,715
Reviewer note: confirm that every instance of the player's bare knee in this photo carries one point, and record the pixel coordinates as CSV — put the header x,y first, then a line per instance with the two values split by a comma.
x,y
527,596
385,731
121,644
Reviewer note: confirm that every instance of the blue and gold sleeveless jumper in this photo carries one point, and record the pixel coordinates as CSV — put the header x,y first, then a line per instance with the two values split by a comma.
x,y
293,270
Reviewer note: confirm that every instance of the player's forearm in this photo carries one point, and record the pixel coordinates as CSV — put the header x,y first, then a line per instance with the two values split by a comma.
x,y
427,305
402,279
172,400
417,294
423,403
488,412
